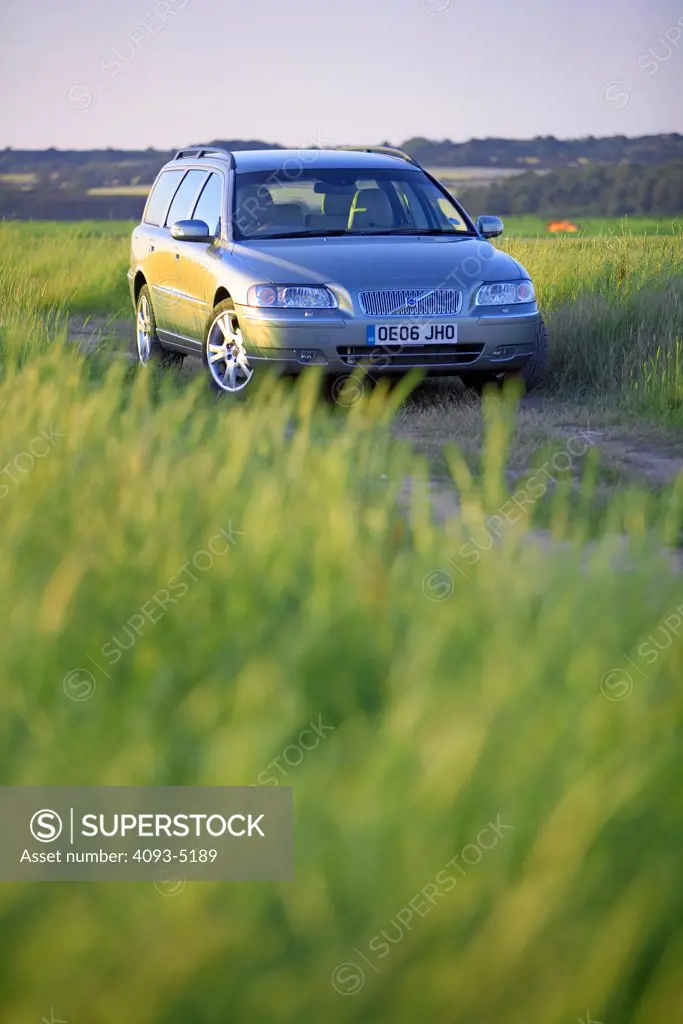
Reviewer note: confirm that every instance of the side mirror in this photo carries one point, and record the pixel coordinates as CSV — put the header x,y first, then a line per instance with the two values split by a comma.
x,y
191,231
489,227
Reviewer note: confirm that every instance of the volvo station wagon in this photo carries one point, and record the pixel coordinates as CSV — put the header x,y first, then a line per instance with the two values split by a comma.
x,y
336,258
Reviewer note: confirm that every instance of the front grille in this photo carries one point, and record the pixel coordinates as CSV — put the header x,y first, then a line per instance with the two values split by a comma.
x,y
409,355
410,302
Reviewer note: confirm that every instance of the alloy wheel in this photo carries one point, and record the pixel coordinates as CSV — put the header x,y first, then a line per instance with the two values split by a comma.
x,y
144,330
226,355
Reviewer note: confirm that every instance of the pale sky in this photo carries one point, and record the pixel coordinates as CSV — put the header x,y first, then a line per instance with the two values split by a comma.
x,y
165,73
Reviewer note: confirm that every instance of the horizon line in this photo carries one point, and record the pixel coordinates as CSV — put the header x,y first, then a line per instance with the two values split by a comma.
x,y
278,145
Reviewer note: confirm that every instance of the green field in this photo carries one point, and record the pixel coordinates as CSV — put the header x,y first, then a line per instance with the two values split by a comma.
x,y
532,227
614,302
533,692
120,190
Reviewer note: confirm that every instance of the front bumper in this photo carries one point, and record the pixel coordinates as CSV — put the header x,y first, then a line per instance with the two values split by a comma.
x,y
289,342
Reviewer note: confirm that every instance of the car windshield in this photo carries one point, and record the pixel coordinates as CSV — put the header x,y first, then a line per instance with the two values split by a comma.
x,y
307,203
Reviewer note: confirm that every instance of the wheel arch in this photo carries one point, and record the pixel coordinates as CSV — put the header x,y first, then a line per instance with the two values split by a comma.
x,y
221,295
138,283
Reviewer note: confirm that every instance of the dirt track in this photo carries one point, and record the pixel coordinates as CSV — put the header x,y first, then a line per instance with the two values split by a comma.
x,y
441,412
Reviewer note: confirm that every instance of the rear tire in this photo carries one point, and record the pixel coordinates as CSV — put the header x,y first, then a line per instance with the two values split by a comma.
x,y
147,348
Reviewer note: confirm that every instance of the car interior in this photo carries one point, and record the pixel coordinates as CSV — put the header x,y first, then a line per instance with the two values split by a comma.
x,y
348,209
334,213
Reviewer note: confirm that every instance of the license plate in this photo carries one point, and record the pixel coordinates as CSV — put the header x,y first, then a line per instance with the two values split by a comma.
x,y
412,334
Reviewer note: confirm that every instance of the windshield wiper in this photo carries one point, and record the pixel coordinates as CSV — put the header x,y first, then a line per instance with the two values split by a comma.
x,y
345,233
425,231
390,232
294,234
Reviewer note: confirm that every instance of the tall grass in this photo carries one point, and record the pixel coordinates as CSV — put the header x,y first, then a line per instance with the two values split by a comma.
x,y
657,387
450,703
79,268
612,302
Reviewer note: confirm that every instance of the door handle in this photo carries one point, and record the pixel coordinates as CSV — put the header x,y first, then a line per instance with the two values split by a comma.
x,y
151,246
177,255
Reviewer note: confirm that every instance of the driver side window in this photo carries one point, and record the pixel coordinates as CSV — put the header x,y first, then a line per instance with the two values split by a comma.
x,y
208,207
183,200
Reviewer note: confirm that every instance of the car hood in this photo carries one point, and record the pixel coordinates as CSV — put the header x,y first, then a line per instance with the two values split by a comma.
x,y
353,263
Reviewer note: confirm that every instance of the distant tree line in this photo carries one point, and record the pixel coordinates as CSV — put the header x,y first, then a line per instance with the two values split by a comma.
x,y
547,151
94,168
54,183
67,204
622,190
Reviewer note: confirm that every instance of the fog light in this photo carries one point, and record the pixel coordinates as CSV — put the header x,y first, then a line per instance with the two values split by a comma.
x,y
310,355
504,352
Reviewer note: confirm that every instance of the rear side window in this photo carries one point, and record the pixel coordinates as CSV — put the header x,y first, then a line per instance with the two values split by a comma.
x,y
166,184
208,206
183,200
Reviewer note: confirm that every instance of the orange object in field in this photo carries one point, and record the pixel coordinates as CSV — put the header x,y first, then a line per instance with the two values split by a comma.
x,y
559,226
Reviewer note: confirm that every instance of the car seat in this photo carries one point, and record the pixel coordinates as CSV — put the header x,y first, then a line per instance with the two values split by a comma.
x,y
252,207
335,213
370,209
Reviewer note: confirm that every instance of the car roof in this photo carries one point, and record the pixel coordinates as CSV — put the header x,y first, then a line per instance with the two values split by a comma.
x,y
247,160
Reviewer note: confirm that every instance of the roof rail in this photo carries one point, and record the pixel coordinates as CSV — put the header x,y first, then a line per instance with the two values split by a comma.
x,y
386,150
197,152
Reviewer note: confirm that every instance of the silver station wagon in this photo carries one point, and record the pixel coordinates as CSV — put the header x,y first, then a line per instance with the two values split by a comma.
x,y
338,258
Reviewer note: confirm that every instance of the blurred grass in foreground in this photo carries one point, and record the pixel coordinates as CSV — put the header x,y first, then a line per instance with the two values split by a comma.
x,y
449,703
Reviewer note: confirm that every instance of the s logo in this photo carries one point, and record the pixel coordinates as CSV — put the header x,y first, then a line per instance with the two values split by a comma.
x,y
46,826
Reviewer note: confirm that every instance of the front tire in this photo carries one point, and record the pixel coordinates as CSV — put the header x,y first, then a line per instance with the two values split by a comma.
x,y
148,349
532,375
223,352
536,369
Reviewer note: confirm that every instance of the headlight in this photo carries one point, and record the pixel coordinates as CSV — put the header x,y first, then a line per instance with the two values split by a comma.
x,y
290,296
506,294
